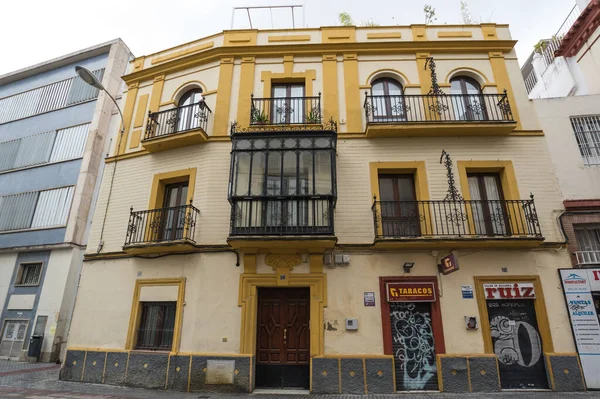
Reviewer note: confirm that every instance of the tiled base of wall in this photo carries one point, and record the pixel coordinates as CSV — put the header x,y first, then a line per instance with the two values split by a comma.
x,y
330,375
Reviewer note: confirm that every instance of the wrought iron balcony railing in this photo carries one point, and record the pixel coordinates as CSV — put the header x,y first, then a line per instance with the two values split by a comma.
x,y
457,219
286,111
162,225
586,258
426,108
298,215
177,120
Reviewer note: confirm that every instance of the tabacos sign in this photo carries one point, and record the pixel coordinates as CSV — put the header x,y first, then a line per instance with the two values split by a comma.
x,y
411,292
509,291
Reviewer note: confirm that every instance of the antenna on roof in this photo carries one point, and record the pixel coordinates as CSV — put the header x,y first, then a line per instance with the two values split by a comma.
x,y
291,8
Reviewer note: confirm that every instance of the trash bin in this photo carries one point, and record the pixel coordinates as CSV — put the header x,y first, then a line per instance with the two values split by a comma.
x,y
35,346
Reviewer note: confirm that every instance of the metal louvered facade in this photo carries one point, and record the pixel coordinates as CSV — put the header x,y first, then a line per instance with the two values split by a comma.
x,y
35,209
38,149
47,98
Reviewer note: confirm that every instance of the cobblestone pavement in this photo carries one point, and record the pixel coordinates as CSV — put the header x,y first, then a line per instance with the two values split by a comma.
x,y
23,380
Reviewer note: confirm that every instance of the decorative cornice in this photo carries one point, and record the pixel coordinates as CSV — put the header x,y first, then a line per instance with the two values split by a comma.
x,y
583,28
287,261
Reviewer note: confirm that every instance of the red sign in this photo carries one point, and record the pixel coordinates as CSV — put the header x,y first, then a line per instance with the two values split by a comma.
x,y
449,264
509,291
410,292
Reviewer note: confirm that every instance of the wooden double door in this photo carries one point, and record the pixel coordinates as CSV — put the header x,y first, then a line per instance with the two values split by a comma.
x,y
283,338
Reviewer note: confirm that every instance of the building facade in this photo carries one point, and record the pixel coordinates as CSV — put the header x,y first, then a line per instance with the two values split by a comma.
x,y
54,130
338,209
571,123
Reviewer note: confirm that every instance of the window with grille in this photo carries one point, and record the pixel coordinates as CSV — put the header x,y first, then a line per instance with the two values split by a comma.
x,y
29,273
588,237
587,134
157,325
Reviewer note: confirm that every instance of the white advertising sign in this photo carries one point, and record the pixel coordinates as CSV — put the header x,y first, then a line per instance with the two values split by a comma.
x,y
578,285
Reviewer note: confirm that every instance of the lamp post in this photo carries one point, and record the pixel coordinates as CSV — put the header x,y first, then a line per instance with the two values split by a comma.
x,y
93,81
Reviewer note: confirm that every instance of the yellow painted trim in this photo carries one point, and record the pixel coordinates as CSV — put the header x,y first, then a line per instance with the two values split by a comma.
x,y
245,90
140,115
419,32
104,368
384,35
184,87
135,139
484,81
454,34
167,373
339,375
127,116
364,362
425,243
415,168
424,75
307,77
288,38
489,31
83,367
403,78
221,116
181,53
364,48
508,178
338,34
157,90
316,263
190,374
540,308
138,63
249,263
134,318
502,79
330,87
354,111
167,104
248,301
240,37
159,181
508,181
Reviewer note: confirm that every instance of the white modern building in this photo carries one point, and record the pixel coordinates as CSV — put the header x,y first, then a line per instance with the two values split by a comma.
x,y
563,81
54,132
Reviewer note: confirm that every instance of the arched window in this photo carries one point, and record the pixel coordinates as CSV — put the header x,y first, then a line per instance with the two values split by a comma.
x,y
467,100
190,97
189,110
387,101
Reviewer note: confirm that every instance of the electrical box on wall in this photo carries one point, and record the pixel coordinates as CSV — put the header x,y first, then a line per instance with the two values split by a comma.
x,y
341,259
471,322
352,324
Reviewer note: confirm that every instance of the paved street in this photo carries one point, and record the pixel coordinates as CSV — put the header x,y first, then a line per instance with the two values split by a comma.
x,y
37,381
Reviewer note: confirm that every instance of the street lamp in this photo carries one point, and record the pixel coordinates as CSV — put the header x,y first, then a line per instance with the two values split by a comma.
x,y
93,81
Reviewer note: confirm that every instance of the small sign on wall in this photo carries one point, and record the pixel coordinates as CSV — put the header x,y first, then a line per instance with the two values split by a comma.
x,y
467,291
369,299
448,264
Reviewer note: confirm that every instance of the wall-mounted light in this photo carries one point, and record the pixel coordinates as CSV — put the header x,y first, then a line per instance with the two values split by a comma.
x,y
408,266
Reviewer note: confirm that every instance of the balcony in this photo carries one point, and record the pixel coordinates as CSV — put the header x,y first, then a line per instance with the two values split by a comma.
x,y
177,127
282,190
161,230
435,115
587,258
457,223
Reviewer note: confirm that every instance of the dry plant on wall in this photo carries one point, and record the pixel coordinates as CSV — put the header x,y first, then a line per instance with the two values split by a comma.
x,y
429,12
345,19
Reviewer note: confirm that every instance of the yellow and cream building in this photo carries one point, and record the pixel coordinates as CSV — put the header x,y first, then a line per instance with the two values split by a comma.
x,y
340,209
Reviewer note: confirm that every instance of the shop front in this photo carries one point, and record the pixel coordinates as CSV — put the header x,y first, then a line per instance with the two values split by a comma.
x,y
412,330
582,295
515,329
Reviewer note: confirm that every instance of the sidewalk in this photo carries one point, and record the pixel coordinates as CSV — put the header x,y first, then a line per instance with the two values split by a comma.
x,y
37,381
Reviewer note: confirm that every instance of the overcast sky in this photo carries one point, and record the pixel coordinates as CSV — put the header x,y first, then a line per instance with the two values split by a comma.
x,y
33,31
